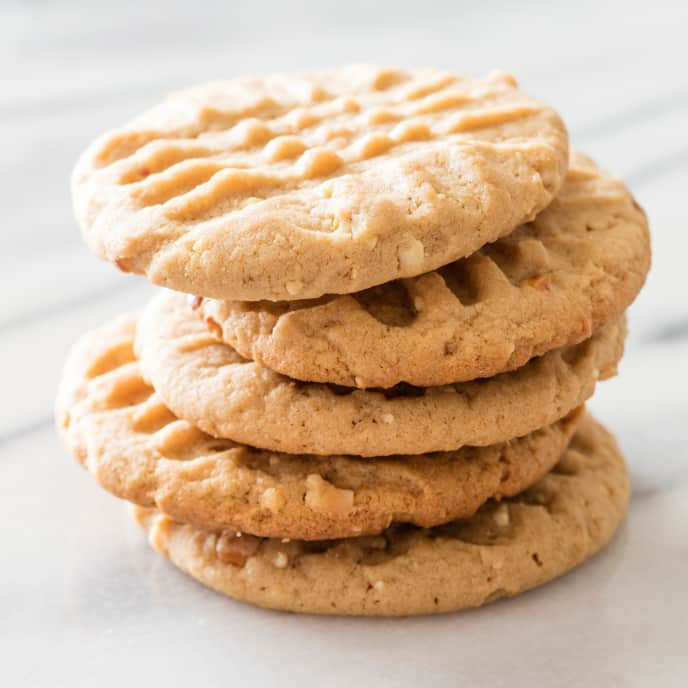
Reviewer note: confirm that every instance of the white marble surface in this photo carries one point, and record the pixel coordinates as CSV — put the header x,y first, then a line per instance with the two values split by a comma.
x,y
82,599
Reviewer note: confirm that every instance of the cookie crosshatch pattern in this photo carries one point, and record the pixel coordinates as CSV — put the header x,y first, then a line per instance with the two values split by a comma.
x,y
295,186
550,283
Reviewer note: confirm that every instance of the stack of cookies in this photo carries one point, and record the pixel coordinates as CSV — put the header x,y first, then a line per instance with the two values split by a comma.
x,y
388,295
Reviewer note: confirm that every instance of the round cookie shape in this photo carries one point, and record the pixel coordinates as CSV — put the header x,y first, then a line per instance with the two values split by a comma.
x,y
116,425
550,283
295,186
209,384
504,549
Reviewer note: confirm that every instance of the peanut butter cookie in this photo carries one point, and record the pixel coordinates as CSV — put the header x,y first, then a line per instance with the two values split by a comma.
x,y
551,283
504,549
116,425
209,384
294,186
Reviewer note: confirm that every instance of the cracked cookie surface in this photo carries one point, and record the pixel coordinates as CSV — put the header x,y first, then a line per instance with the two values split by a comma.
x,y
504,549
550,283
294,186
209,384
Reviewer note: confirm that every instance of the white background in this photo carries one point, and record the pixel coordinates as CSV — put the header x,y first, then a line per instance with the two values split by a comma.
x,y
82,599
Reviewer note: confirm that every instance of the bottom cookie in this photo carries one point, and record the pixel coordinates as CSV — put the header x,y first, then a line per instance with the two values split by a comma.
x,y
504,549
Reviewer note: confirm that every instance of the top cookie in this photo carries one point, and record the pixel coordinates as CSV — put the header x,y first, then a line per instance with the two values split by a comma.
x,y
293,186
550,283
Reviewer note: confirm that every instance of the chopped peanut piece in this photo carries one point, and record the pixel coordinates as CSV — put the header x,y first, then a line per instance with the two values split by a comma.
x,y
325,497
235,548
501,516
281,560
272,499
411,255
